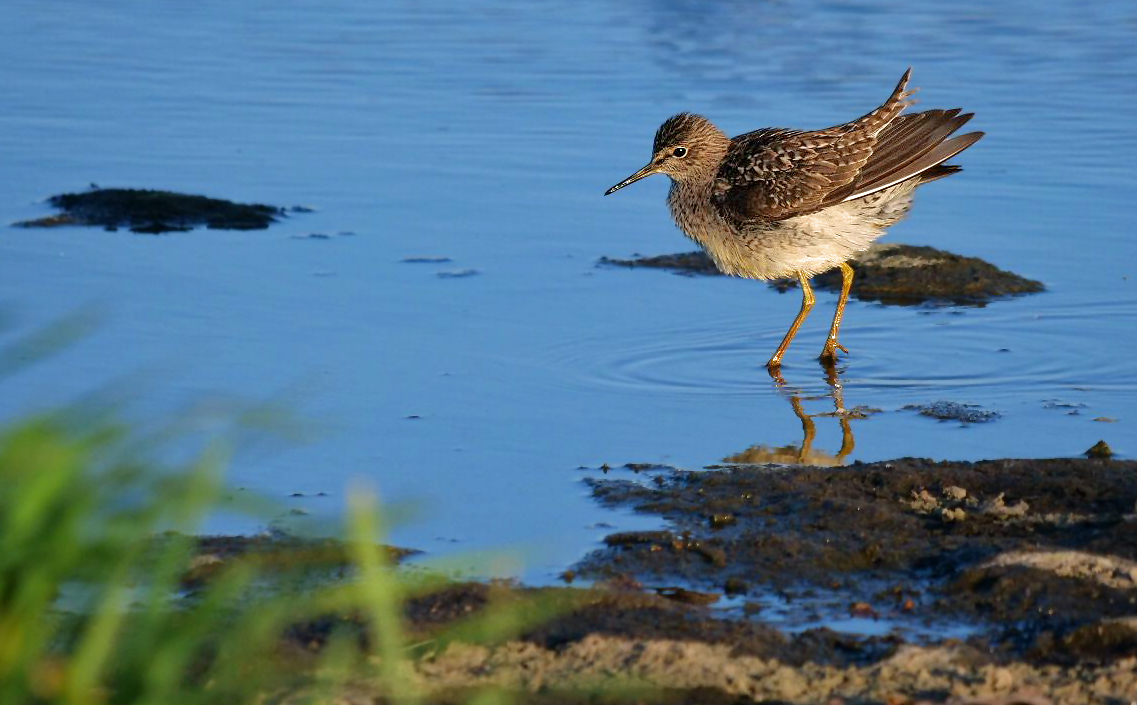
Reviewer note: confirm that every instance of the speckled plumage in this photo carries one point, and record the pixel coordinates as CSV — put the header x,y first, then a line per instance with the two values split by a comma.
x,y
780,203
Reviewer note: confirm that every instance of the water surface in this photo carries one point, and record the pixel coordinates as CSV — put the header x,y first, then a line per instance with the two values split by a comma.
x,y
485,133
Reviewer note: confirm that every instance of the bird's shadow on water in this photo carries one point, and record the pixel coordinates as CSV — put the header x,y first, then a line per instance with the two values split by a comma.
x,y
805,453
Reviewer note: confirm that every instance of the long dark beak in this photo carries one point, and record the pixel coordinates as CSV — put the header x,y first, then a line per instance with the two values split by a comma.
x,y
648,170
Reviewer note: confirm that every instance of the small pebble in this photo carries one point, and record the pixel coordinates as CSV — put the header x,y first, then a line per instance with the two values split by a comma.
x,y
718,521
735,586
957,493
1100,449
862,609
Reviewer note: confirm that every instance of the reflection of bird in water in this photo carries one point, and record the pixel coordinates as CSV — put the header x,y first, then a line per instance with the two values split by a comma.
x,y
779,203
805,454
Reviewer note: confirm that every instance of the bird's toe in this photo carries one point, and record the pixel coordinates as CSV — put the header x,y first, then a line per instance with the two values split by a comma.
x,y
829,354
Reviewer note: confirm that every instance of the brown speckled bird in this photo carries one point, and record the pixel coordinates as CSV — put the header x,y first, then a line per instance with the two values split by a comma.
x,y
779,203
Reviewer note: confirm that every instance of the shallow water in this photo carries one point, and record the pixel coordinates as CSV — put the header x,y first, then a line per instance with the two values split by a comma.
x,y
830,610
485,133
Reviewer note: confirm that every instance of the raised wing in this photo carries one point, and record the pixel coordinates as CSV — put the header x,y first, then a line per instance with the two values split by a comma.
x,y
774,174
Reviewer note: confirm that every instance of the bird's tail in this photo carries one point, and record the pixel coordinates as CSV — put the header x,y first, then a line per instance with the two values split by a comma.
x,y
879,119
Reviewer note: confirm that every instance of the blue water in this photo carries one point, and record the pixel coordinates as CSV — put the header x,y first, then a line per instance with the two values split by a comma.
x,y
485,133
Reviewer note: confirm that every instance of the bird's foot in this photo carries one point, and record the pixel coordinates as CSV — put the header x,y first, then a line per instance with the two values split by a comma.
x,y
829,354
774,366
775,372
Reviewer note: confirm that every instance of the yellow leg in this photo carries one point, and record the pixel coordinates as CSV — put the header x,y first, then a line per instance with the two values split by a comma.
x,y
806,304
808,431
829,354
848,443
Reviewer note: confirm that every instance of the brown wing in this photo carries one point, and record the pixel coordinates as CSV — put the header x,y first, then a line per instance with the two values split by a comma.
x,y
913,144
774,174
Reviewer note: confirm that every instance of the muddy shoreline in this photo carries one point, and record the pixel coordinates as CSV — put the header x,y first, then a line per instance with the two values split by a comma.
x,y
893,582
1031,556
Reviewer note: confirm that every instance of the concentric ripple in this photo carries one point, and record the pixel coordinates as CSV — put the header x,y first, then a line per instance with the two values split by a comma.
x,y
1010,349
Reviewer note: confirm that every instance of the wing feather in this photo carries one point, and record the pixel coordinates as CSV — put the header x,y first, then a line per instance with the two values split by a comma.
x,y
777,173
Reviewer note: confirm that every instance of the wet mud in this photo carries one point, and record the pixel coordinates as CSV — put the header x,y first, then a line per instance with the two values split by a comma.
x,y
154,212
268,553
889,273
617,643
997,582
561,617
1034,557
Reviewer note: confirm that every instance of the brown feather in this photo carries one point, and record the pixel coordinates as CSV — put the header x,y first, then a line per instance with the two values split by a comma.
x,y
904,141
774,174
939,171
939,151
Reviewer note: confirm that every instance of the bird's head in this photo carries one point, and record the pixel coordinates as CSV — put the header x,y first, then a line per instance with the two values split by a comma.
x,y
686,147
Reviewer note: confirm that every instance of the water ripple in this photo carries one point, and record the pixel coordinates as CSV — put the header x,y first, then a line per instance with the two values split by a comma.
x,y
1010,350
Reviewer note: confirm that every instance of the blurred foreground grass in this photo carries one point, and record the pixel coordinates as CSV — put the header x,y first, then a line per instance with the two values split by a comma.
x,y
96,543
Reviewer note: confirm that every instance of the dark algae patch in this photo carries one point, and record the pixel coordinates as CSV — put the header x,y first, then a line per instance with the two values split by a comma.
x,y
907,274
889,273
154,212
954,411
689,263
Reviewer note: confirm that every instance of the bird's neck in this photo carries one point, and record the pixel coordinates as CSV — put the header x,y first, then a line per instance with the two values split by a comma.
x,y
692,208
690,197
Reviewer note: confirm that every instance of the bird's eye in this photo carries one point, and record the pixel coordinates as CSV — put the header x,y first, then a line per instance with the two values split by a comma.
x,y
679,152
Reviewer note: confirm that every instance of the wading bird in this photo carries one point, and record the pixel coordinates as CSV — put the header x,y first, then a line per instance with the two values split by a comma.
x,y
779,203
